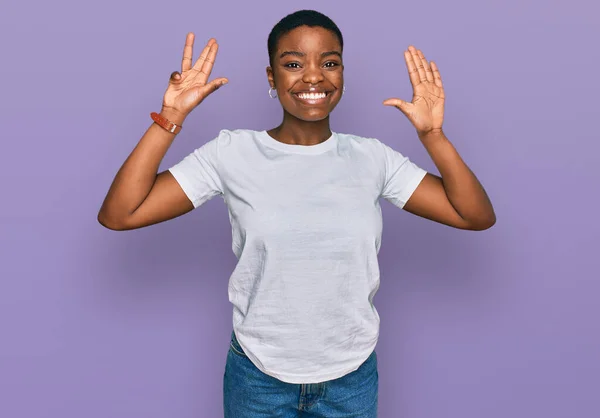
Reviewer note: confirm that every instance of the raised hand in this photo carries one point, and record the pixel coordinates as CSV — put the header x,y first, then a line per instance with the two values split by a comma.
x,y
426,111
189,88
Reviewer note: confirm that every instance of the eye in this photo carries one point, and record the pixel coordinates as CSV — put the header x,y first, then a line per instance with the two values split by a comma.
x,y
290,64
334,64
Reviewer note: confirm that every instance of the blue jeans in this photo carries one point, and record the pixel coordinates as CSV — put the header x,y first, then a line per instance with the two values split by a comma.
x,y
250,393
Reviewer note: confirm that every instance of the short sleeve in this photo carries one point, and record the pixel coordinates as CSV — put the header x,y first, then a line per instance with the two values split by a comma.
x,y
402,177
198,173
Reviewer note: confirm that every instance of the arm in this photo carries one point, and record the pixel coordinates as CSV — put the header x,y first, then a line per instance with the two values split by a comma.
x,y
138,196
457,198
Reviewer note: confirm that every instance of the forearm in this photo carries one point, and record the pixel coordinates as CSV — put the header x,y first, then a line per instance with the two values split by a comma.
x,y
463,189
137,175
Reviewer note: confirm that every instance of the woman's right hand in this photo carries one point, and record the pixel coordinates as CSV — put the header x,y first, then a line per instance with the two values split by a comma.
x,y
189,88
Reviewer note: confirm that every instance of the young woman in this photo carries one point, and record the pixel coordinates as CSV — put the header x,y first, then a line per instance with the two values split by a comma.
x,y
304,208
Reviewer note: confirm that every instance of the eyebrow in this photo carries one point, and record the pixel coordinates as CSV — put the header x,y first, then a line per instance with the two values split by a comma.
x,y
302,54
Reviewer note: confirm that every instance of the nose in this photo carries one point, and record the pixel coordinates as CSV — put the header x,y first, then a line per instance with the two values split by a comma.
x,y
312,74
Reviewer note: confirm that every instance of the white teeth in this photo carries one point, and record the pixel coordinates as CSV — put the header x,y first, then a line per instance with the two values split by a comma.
x,y
312,96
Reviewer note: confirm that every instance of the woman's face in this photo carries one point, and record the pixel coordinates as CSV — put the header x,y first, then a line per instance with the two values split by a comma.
x,y
308,72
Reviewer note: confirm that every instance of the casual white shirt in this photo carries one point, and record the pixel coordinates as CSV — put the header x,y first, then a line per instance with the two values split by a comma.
x,y
306,230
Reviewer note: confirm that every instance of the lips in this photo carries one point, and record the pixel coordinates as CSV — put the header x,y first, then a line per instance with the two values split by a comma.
x,y
312,91
312,97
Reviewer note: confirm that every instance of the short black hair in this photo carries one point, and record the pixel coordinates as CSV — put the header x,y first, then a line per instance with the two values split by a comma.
x,y
310,18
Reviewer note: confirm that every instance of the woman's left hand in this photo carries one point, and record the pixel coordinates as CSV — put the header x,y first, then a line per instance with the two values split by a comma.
x,y
426,111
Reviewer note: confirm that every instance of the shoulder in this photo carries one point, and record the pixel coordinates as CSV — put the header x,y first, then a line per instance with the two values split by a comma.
x,y
358,140
374,145
364,144
234,137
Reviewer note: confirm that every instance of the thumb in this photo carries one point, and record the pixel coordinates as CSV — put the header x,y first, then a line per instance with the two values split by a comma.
x,y
217,83
212,86
400,104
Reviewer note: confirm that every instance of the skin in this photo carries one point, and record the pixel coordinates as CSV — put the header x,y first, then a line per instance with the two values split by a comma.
x,y
455,199
305,58
299,63
139,197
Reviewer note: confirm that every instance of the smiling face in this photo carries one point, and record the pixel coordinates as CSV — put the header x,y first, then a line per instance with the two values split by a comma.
x,y
308,72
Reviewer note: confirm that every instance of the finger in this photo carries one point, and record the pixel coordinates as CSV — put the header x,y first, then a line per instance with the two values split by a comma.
x,y
212,86
393,102
200,67
402,105
428,73
198,64
188,52
413,73
418,63
175,77
210,60
436,75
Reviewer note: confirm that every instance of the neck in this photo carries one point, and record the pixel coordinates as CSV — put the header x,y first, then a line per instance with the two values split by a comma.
x,y
299,132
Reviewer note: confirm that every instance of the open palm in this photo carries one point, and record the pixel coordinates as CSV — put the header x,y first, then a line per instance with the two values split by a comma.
x,y
426,110
191,87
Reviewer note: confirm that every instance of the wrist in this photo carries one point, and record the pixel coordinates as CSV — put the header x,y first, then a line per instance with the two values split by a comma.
x,y
433,133
173,115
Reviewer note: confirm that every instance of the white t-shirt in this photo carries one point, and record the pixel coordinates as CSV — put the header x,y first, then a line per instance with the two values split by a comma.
x,y
306,229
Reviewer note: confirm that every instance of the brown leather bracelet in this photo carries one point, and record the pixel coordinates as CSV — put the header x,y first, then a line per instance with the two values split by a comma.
x,y
166,123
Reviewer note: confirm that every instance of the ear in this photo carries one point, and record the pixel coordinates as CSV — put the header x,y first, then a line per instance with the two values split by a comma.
x,y
270,77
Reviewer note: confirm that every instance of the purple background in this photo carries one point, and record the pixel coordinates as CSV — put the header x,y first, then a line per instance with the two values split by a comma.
x,y
96,324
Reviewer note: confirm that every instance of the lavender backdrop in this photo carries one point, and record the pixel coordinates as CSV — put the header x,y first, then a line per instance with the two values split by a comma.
x,y
97,324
